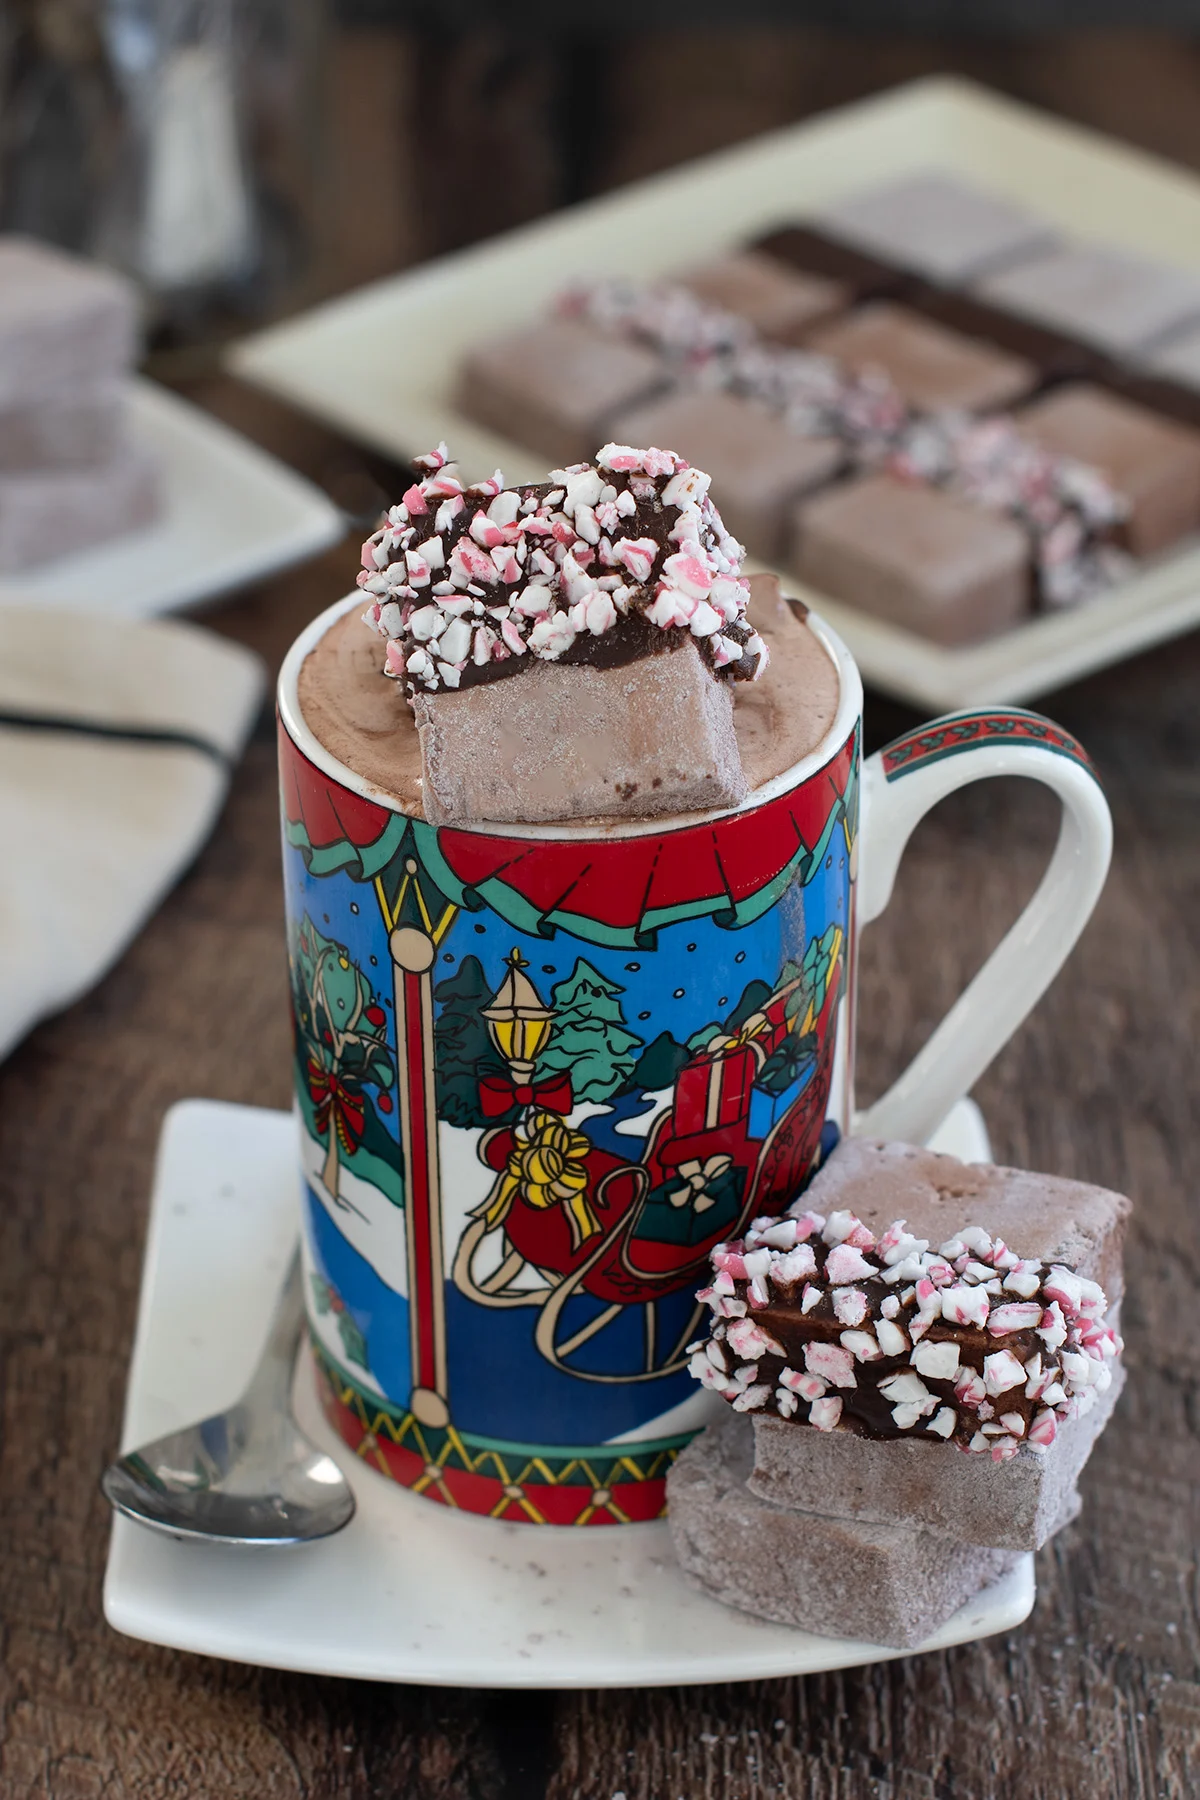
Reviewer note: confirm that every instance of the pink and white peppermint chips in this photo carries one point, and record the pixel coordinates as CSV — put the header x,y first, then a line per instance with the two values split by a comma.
x,y
889,1336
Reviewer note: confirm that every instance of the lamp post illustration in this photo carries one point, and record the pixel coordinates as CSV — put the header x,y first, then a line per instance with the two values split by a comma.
x,y
517,1021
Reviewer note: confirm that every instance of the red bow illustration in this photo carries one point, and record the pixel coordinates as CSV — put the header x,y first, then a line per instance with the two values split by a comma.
x,y
499,1093
336,1106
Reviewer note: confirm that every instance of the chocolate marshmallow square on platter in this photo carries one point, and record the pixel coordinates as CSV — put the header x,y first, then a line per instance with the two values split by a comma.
x,y
1055,355
555,385
939,565
935,369
758,463
897,1374
779,302
1151,461
568,648
892,1584
939,225
1122,303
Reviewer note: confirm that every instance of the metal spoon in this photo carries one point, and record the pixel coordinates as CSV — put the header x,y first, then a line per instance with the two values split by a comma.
x,y
245,1476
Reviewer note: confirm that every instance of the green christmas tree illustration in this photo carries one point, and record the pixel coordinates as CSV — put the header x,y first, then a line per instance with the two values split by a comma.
x,y
463,1049
589,1040
658,1065
341,1042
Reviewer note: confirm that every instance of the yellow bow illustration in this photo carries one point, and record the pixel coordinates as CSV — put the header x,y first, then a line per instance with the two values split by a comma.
x,y
547,1166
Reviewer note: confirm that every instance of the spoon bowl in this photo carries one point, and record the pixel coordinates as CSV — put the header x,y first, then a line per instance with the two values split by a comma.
x,y
248,1475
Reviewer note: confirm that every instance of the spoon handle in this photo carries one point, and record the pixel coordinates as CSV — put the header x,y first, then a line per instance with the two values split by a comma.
x,y
269,1388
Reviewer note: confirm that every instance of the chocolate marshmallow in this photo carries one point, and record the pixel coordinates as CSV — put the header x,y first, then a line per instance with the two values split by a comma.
x,y
1014,1505
622,574
577,741
874,1584
44,515
939,225
934,369
64,323
1050,1217
815,253
873,1355
555,385
923,559
64,431
1154,463
1178,359
1055,355
1162,394
779,302
758,464
1121,303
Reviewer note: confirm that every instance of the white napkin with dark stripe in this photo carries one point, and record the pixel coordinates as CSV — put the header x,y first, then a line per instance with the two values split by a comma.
x,y
116,744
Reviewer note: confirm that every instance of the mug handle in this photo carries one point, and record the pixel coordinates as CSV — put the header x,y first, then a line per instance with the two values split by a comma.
x,y
899,786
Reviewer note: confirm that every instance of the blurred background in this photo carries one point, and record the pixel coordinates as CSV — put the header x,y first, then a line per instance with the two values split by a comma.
x,y
243,158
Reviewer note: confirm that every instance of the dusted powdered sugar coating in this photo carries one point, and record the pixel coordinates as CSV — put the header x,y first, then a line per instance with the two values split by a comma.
x,y
1070,510
466,580
817,1320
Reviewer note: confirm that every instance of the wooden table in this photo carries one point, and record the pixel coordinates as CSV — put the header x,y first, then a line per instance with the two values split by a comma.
x,y
1099,1695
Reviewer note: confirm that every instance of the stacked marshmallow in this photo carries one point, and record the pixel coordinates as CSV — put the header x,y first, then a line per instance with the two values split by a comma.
x,y
70,472
465,579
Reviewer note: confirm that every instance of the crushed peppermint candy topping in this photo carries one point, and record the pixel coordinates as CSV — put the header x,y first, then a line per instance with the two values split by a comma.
x,y
601,560
818,1320
1070,510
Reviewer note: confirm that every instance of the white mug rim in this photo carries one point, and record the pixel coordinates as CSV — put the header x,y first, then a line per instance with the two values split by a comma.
x,y
849,712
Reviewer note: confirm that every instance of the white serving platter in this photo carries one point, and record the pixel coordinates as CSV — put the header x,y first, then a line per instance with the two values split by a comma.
x,y
231,514
410,1591
380,364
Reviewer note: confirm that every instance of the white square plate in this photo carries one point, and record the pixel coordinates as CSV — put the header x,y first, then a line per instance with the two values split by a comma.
x,y
231,514
410,1591
380,364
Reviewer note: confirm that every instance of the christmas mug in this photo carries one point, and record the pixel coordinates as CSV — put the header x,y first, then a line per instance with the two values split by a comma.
x,y
541,1071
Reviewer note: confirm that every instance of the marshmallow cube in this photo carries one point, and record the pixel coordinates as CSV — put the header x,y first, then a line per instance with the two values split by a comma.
x,y
923,559
47,514
934,368
876,1584
942,227
1154,462
562,740
555,386
65,324
778,301
964,1496
1120,303
759,465
69,431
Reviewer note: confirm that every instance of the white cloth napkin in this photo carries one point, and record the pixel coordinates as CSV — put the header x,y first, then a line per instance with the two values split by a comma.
x,y
116,744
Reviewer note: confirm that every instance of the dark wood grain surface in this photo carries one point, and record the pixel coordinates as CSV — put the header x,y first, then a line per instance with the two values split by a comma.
x,y
1098,1695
